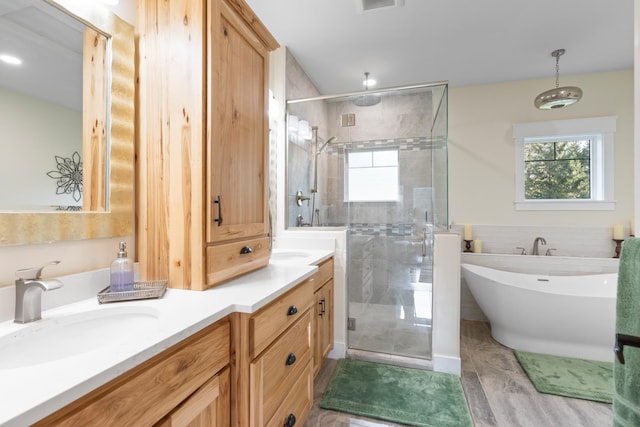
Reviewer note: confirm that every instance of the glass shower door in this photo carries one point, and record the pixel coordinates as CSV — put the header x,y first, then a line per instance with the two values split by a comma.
x,y
390,246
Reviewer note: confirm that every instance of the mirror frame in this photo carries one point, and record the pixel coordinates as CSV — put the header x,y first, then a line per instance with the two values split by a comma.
x,y
22,228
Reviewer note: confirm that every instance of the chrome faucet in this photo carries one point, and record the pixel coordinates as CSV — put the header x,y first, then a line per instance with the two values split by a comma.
x,y
537,240
29,288
301,223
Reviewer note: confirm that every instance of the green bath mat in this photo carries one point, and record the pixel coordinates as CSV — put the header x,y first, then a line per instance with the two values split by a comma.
x,y
402,395
566,376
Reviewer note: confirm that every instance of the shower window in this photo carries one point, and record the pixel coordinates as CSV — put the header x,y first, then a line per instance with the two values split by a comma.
x,y
371,176
565,164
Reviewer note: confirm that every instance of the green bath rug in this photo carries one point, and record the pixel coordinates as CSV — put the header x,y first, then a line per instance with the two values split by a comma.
x,y
566,376
402,395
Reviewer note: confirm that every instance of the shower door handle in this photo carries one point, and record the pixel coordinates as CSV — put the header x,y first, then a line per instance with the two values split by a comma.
x,y
621,341
424,243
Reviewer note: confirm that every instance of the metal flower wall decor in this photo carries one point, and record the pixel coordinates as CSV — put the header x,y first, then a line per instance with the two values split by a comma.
x,y
69,175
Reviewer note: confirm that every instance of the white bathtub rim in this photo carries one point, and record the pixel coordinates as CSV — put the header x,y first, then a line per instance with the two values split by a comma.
x,y
598,285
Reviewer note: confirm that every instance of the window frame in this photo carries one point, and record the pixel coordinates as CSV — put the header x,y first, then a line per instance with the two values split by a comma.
x,y
600,130
347,170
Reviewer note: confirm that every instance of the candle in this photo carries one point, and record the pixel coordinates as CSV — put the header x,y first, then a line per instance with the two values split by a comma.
x,y
632,228
468,235
477,246
618,232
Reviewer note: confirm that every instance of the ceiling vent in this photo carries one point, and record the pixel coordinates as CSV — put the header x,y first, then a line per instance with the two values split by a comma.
x,y
369,5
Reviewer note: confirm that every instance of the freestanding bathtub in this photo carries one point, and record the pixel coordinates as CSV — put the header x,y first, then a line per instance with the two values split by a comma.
x,y
571,316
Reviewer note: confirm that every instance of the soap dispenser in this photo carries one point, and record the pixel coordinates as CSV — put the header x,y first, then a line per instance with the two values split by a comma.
x,y
122,271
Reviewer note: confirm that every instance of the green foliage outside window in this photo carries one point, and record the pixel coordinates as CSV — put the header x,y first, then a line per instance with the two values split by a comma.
x,y
557,170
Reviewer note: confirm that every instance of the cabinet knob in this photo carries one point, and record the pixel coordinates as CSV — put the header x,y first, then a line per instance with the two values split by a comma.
x,y
291,421
246,250
291,359
292,310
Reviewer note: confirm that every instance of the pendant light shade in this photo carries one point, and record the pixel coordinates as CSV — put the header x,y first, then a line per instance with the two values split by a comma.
x,y
558,97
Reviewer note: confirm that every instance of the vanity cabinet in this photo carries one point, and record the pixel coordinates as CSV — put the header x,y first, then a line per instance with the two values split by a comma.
x,y
322,324
209,406
274,357
186,384
203,141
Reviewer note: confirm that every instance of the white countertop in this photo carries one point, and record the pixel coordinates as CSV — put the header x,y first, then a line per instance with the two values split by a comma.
x,y
28,394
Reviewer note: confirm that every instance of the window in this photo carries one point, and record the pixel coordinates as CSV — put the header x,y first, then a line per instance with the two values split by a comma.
x,y
372,176
565,164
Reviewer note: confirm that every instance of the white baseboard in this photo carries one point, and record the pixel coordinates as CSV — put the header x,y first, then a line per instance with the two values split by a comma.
x,y
339,351
447,364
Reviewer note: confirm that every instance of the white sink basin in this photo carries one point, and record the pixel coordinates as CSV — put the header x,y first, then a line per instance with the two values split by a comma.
x,y
288,255
49,340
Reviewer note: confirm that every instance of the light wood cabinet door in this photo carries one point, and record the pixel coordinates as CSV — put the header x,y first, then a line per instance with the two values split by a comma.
x,y
322,325
239,128
202,139
209,406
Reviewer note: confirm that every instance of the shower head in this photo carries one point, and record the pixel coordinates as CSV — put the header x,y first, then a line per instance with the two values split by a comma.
x,y
366,100
327,142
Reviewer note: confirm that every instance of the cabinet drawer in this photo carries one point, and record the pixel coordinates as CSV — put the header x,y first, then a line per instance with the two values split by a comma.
x,y
148,392
275,373
272,320
325,272
297,403
226,261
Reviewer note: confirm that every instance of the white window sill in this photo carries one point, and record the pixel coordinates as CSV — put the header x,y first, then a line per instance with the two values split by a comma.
x,y
564,205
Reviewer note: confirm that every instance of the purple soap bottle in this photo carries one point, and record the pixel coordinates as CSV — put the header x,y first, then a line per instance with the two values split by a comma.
x,y
122,271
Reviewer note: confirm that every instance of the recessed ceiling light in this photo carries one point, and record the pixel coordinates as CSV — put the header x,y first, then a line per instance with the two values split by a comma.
x,y
10,59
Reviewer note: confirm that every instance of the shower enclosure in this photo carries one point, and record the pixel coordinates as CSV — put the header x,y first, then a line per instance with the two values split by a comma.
x,y
378,168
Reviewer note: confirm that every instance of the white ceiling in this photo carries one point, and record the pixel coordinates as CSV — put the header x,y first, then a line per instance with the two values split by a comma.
x,y
466,42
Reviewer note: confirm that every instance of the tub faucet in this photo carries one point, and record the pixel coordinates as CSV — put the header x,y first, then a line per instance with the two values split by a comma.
x,y
301,223
29,288
536,241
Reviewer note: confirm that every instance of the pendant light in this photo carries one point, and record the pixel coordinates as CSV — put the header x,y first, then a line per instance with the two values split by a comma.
x,y
560,96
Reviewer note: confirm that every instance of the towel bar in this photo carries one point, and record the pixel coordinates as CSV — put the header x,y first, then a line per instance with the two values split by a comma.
x,y
621,341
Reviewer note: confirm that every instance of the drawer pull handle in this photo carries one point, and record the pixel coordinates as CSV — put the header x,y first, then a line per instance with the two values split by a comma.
x,y
292,310
246,250
219,219
291,359
322,304
291,421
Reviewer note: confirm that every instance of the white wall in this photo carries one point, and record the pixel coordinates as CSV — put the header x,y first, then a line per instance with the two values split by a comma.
x,y
481,147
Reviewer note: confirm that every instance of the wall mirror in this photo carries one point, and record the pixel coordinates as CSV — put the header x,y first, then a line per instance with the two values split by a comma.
x,y
78,104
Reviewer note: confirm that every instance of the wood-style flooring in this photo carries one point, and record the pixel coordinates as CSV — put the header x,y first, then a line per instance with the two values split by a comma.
x,y
497,390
